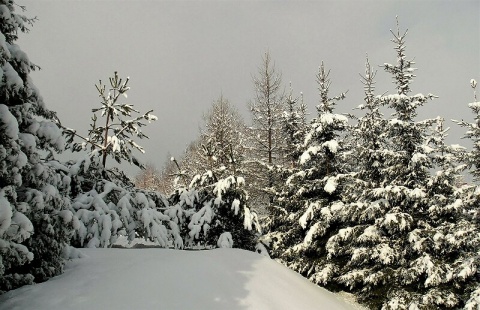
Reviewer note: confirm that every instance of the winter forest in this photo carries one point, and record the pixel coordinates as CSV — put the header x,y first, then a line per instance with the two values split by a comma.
x,y
375,203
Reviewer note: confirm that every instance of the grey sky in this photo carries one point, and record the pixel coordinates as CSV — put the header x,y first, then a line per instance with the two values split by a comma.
x,y
180,56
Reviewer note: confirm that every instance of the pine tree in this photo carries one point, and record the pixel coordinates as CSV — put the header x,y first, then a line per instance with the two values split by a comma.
x,y
113,208
34,216
115,137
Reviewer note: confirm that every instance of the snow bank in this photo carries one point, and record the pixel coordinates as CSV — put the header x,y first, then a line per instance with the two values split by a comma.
x,y
172,279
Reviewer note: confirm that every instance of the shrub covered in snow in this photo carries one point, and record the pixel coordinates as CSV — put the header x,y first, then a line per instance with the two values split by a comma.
x,y
105,205
104,209
210,208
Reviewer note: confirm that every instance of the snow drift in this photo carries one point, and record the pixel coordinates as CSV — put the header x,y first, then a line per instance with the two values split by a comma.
x,y
172,279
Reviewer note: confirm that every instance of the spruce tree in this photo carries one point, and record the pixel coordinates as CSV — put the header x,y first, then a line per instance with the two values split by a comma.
x,y
34,221
405,241
467,236
294,127
312,192
472,158
214,212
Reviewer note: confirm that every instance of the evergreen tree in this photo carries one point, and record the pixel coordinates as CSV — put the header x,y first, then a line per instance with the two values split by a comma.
x,y
214,212
115,137
472,158
405,241
294,127
106,203
466,236
312,192
369,137
110,209
34,216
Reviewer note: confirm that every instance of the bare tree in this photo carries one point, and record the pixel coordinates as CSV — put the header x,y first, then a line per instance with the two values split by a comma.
x,y
219,147
148,178
221,139
266,137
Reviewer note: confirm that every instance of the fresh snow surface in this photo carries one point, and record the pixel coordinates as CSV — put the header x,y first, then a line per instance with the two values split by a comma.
x,y
172,279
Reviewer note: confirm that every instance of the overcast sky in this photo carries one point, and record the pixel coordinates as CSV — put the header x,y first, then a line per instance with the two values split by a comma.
x,y
181,55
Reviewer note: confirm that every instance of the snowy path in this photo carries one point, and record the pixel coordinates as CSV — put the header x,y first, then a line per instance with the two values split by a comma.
x,y
169,279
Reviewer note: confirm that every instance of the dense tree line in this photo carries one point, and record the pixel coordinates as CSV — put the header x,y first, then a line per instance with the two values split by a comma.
x,y
373,204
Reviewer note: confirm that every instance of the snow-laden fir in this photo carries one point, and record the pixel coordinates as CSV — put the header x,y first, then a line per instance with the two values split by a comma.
x,y
367,216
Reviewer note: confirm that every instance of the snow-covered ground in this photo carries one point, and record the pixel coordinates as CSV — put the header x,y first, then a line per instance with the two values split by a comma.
x,y
172,279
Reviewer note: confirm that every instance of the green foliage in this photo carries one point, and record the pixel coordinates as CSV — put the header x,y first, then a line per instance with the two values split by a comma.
x,y
33,193
211,207
115,138
311,193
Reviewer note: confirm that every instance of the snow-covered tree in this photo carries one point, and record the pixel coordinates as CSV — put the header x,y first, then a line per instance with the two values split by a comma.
x,y
189,164
215,213
105,202
34,228
294,126
222,138
472,158
368,138
220,147
404,241
312,192
468,233
115,138
113,208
